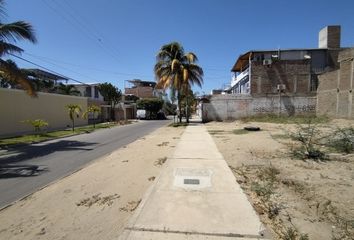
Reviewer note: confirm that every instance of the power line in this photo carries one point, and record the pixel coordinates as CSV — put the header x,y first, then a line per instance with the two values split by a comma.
x,y
68,69
46,59
55,61
86,27
47,69
90,25
74,22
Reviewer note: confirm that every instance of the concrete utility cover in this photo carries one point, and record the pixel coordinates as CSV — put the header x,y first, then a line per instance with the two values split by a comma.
x,y
192,178
191,181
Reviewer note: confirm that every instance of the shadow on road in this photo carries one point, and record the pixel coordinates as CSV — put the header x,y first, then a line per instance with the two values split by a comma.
x,y
22,154
13,163
12,171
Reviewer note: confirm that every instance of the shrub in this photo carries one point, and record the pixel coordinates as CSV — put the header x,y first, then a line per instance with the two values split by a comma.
x,y
264,190
268,174
182,124
308,136
37,124
342,140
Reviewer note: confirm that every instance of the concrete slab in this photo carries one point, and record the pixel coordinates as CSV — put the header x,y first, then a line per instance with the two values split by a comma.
x,y
221,178
212,213
196,143
195,197
197,150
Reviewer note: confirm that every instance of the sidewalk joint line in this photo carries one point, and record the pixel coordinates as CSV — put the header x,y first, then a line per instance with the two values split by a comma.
x,y
195,233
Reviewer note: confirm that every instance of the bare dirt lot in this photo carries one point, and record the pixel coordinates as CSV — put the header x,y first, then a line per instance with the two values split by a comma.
x,y
95,202
296,198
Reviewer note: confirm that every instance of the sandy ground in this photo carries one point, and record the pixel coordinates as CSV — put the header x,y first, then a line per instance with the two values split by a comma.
x,y
95,202
309,199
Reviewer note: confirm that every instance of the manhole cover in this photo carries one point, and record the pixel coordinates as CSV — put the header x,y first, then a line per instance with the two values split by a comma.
x,y
192,181
192,178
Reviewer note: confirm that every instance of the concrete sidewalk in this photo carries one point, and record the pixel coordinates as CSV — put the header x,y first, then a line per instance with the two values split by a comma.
x,y
195,197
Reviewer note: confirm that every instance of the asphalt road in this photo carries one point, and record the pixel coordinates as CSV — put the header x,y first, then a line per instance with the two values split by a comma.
x,y
31,167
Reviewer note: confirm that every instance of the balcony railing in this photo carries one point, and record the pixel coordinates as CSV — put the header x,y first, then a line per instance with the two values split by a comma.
x,y
239,77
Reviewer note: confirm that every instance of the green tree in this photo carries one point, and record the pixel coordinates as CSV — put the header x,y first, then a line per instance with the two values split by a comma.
x,y
131,98
94,110
151,105
188,102
9,34
178,70
169,108
68,90
74,111
40,83
111,94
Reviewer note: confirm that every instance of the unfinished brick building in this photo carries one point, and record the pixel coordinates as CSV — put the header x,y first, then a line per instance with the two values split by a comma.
x,y
280,81
335,90
293,71
141,89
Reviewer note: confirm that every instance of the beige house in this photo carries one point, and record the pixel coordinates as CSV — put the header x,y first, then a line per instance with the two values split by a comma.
x,y
90,90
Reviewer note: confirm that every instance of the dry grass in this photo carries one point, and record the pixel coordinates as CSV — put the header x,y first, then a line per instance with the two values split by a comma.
x,y
296,199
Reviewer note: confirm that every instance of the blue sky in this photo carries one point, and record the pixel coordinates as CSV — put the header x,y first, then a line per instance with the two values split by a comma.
x,y
117,40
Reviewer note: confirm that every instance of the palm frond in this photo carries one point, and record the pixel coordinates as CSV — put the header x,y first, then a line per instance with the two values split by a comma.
x,y
10,72
195,78
19,30
191,57
73,109
175,69
2,8
175,65
8,48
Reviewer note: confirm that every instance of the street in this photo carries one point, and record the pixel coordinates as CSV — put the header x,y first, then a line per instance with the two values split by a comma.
x,y
32,167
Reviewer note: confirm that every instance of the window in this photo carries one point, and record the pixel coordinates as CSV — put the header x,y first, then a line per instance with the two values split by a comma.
x,y
88,91
96,92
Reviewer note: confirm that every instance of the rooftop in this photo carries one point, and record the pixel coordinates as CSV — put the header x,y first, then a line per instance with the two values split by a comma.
x,y
46,75
244,58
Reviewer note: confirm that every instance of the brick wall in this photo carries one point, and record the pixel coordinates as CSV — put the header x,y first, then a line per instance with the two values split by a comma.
x,y
334,93
141,92
296,75
226,107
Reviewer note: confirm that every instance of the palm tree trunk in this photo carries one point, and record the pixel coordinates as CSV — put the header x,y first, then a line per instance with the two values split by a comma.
x,y
73,124
187,110
179,106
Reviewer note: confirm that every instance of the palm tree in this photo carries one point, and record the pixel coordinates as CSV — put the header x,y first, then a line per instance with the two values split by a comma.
x,y
9,34
73,109
68,90
178,70
94,110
